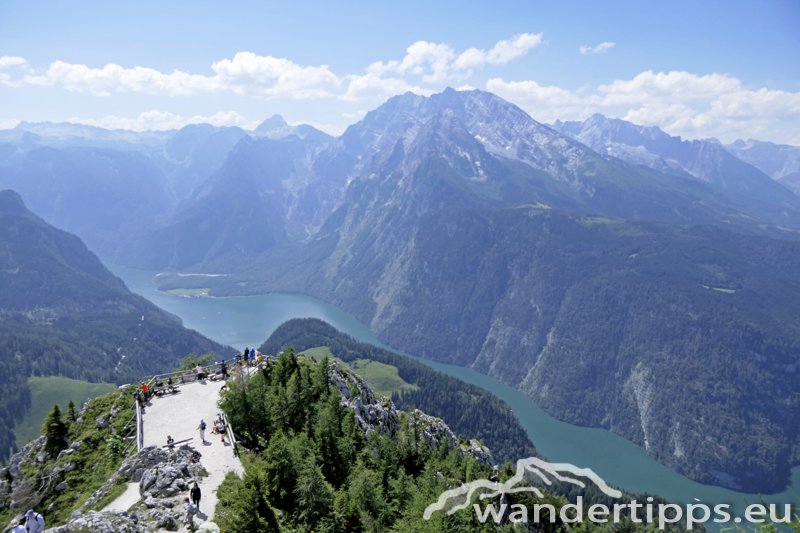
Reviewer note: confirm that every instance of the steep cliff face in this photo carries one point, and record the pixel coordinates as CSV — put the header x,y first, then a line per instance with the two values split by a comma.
x,y
652,331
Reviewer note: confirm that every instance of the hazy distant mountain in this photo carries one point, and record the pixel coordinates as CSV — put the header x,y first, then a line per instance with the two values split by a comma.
x,y
744,184
194,153
113,186
63,313
68,134
243,210
276,127
101,194
780,161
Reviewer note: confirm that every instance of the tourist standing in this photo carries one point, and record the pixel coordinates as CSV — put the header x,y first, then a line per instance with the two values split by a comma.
x,y
195,494
202,428
191,509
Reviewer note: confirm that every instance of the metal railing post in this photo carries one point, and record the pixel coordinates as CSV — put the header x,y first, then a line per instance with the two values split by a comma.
x,y
139,427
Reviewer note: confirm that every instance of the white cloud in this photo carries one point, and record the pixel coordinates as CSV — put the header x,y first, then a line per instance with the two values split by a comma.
x,y
163,120
545,103
679,102
248,73
439,63
115,78
12,61
245,74
599,49
510,49
9,123
371,86
649,86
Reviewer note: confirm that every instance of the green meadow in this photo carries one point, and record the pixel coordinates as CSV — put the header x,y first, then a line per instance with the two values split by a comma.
x,y
51,390
383,379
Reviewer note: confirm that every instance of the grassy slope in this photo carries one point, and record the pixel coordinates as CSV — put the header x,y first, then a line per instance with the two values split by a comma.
x,y
95,460
382,378
51,390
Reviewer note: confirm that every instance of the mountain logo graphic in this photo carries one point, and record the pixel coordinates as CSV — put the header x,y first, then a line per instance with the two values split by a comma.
x,y
532,468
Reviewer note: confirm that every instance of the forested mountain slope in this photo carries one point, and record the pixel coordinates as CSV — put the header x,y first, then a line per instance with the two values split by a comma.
x,y
63,313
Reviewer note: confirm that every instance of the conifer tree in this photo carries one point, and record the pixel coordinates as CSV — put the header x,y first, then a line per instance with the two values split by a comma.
x,y
55,431
314,495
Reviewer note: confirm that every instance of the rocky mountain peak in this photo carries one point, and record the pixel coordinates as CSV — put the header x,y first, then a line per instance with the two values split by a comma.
x,y
273,123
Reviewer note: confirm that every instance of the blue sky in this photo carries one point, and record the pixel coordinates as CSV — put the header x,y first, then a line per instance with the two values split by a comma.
x,y
697,69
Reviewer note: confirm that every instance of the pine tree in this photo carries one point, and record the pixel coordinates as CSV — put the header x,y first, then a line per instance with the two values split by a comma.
x,y
327,433
247,508
56,432
280,471
314,495
71,411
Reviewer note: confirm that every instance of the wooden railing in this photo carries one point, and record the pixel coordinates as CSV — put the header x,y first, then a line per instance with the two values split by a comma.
x,y
189,375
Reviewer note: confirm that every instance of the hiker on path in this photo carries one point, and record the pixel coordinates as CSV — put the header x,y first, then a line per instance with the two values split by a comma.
x,y
195,494
202,428
20,528
219,427
34,522
223,369
191,509
200,372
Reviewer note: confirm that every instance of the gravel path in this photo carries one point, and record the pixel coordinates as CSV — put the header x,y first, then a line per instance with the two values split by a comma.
x,y
179,415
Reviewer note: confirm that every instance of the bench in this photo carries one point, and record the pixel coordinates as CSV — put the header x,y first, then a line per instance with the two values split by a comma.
x,y
158,390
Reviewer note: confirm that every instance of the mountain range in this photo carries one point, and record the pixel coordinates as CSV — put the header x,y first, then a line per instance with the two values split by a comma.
x,y
779,161
706,160
621,277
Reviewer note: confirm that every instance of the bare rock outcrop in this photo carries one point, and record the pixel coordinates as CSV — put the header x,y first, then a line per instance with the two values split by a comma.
x,y
373,413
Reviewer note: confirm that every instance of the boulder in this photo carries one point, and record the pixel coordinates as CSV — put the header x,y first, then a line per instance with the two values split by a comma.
x,y
168,478
133,467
